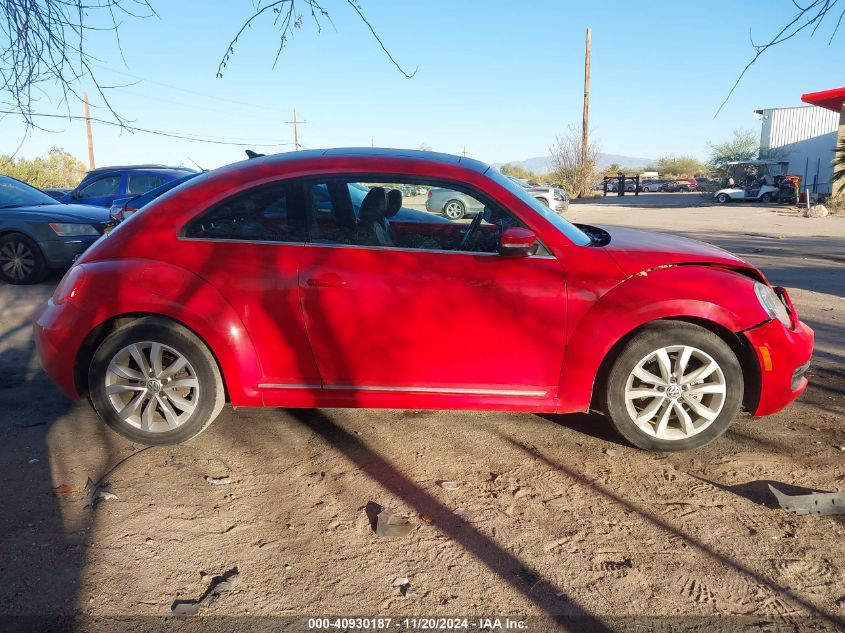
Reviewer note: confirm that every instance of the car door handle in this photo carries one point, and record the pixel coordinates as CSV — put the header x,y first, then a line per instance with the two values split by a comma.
x,y
327,280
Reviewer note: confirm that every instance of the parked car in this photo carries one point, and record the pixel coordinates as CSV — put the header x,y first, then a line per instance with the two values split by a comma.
x,y
103,185
37,233
674,186
454,205
651,186
57,193
553,197
123,208
238,286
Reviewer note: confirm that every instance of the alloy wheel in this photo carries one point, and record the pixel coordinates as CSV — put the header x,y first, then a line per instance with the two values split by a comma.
x,y
152,386
17,260
675,392
454,210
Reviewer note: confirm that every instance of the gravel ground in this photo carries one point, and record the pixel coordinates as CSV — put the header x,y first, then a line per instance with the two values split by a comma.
x,y
552,516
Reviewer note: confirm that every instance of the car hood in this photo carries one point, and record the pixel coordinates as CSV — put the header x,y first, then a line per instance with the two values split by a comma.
x,y
636,251
68,213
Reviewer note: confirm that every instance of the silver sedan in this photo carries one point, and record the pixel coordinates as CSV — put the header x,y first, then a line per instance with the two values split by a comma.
x,y
453,204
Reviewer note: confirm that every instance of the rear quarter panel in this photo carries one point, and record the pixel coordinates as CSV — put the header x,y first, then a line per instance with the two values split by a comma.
x,y
139,286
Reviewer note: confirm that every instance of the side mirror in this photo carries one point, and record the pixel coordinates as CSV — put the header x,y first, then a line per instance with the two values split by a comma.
x,y
517,242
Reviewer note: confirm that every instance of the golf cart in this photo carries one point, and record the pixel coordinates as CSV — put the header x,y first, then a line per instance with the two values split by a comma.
x,y
753,180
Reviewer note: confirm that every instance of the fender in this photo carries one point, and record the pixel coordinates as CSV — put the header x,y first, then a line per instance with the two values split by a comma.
x,y
179,294
709,293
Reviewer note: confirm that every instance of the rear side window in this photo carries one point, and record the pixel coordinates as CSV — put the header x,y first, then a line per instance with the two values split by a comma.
x,y
108,186
271,213
142,183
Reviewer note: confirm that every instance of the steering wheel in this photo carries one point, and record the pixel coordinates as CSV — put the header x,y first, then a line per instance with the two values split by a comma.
x,y
470,231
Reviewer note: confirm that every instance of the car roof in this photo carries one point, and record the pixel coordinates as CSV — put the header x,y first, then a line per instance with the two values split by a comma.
x,y
150,166
373,152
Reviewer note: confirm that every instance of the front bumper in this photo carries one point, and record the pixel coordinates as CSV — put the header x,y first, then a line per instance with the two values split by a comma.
x,y
783,355
62,252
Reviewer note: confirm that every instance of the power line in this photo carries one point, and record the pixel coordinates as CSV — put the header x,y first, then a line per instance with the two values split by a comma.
x,y
185,90
132,128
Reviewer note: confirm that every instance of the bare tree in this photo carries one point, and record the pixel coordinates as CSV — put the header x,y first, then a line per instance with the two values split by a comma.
x,y
287,17
568,166
810,15
45,43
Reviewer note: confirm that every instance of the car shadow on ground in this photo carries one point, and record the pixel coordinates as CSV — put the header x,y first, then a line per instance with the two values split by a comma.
x,y
550,599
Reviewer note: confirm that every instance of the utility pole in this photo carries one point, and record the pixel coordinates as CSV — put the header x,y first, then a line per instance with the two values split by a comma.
x,y
295,129
585,126
90,137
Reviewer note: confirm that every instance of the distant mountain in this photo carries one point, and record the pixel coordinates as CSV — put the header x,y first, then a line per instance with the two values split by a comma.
x,y
543,164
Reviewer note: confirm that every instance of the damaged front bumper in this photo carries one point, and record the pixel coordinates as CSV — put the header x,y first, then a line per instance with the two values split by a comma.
x,y
783,354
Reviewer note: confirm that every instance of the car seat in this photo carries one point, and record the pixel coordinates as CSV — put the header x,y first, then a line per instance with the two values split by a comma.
x,y
373,227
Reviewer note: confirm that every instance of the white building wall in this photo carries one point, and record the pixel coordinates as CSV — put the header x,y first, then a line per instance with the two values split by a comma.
x,y
806,137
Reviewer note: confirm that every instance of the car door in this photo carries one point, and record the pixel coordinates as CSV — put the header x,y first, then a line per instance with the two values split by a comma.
x,y
422,318
100,191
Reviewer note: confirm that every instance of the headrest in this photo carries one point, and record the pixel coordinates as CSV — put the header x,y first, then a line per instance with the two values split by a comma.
x,y
394,203
373,206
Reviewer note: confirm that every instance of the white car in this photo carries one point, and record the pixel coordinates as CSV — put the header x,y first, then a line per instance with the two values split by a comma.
x,y
553,197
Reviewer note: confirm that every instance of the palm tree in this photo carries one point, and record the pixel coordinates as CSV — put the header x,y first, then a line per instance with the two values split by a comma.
x,y
839,167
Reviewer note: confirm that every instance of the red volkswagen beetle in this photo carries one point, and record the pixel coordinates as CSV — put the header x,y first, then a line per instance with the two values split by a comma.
x,y
309,279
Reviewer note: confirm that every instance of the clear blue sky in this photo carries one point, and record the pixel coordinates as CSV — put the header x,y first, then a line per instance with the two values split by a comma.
x,y
500,78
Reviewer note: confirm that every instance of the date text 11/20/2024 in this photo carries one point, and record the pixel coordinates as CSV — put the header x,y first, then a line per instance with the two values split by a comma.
x,y
417,624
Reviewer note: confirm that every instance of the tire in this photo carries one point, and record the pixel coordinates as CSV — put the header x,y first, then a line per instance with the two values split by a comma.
x,y
766,198
723,198
659,430
193,404
21,260
454,209
543,201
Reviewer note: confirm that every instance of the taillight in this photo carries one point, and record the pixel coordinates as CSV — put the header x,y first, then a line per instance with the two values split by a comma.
x,y
70,285
429,194
129,211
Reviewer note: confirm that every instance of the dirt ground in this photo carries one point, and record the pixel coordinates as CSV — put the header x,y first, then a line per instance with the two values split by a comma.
x,y
553,517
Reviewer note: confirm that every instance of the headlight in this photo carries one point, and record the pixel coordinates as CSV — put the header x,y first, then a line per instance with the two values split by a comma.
x,y
69,230
772,304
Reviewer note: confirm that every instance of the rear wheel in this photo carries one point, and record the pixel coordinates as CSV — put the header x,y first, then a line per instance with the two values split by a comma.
x,y
723,198
675,386
766,198
21,261
454,209
155,382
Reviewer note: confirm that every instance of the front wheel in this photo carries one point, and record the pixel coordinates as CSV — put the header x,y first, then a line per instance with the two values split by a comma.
x,y
21,261
675,386
155,382
723,198
766,198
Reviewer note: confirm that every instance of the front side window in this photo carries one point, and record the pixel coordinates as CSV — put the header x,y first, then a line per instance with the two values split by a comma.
x,y
408,215
271,213
108,186
142,183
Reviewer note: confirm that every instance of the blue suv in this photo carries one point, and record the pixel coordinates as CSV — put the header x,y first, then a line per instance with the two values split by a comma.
x,y
102,186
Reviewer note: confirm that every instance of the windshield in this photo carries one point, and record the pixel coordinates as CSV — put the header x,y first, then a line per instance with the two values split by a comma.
x,y
14,193
569,230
